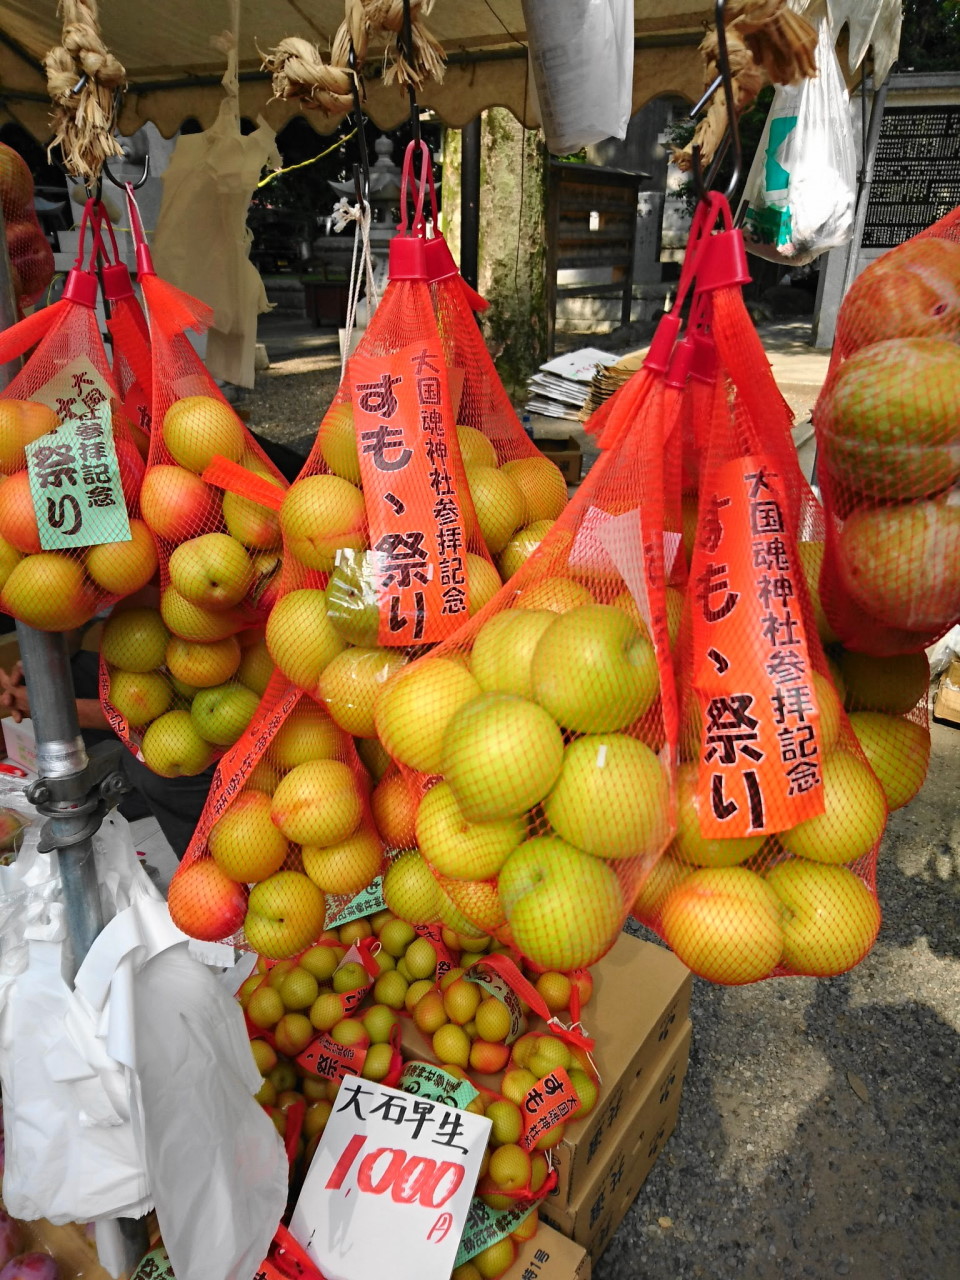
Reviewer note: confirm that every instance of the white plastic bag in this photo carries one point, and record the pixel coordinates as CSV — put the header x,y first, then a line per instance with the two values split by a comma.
x,y
801,192
582,57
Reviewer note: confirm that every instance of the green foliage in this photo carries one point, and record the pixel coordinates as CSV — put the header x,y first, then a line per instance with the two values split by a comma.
x,y
930,40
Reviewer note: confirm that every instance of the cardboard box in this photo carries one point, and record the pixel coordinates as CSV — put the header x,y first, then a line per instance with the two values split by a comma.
x,y
592,1216
946,702
549,1256
566,454
20,742
641,999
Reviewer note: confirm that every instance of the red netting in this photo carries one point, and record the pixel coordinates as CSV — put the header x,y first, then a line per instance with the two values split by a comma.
x,y
286,833
180,684
70,537
31,258
767,752
889,450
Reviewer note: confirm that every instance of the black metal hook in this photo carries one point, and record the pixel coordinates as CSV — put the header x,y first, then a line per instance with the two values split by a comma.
x,y
123,185
702,184
361,172
408,51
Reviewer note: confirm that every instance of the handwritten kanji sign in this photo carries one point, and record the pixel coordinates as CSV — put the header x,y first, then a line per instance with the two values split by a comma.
x,y
410,468
73,470
760,746
391,1171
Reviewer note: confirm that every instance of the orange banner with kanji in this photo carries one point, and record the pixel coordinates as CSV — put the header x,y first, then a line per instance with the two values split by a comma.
x,y
760,745
412,477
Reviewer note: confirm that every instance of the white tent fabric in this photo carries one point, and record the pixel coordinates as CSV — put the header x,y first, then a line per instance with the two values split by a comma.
x,y
174,71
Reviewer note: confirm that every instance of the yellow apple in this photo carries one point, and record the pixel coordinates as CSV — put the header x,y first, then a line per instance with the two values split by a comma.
x,y
657,887
50,592
556,594
374,756
897,750
284,915
502,656
478,901
213,571
244,843
121,568
501,755
475,448
10,557
300,639
337,439
308,733
498,502
256,667
22,422
458,848
318,803
415,707
202,665
689,843
177,505
724,923
830,917
855,813
542,485
483,582
256,526
612,798
140,696
346,867
811,562
221,713
173,748
321,514
197,427
410,889
894,684
394,811
134,639
205,903
521,547
350,684
194,622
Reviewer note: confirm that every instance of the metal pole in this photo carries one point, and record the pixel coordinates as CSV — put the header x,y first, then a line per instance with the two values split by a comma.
x,y
866,180
72,792
470,201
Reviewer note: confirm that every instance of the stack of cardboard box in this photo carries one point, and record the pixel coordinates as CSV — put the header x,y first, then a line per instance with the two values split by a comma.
x,y
639,1017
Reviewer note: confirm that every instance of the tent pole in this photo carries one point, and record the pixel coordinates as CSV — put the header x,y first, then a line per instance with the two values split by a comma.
x,y
470,201
72,791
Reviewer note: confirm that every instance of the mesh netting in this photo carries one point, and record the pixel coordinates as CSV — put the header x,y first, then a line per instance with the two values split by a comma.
x,y
772,868
287,827
71,540
889,450
31,258
181,683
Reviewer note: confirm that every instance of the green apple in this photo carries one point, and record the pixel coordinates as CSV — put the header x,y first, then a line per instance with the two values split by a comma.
x,y
543,487
556,594
318,803
724,923
321,514
337,439
689,843
498,503
351,683
202,665
458,848
501,755
564,907
897,750
195,428
196,622
284,915
483,583
521,547
353,606
830,919
475,448
410,889
612,798
308,733
502,654
415,707
346,867
213,571
593,671
256,667
300,638
854,815
140,696
894,684
244,843
134,639
172,747
221,714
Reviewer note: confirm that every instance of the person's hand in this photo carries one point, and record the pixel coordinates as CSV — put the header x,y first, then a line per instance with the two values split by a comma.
x,y
14,694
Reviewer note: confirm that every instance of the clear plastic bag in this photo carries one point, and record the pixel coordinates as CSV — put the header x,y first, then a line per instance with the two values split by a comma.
x,y
802,189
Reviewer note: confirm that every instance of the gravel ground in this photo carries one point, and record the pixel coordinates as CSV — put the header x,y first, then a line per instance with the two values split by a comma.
x,y
819,1129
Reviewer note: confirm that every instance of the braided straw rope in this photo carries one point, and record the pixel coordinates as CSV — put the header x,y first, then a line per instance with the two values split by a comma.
x,y
367,19
84,121
299,71
765,41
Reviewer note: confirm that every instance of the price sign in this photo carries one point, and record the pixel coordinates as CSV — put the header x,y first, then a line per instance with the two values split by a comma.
x,y
390,1169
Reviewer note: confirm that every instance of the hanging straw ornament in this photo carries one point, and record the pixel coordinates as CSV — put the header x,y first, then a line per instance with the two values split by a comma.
x,y
84,81
367,19
766,42
299,71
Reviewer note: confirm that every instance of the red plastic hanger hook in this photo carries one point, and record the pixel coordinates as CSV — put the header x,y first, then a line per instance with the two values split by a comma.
x,y
407,179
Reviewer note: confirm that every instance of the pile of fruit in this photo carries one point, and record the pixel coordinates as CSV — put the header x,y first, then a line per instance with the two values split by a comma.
x,y
31,258
300,1012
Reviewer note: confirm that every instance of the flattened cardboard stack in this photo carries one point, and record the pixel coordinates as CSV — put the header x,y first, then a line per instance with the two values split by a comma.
x,y
610,378
639,1016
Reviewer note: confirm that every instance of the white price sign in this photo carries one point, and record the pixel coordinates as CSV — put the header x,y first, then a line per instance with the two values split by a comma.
x,y
393,1168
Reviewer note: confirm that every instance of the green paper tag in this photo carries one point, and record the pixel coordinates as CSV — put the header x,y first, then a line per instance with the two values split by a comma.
x,y
154,1266
427,1081
342,908
485,1226
73,470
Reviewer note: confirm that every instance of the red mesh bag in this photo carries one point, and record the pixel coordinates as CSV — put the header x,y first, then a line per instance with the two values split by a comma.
x,y
889,450
31,258
219,555
779,816
289,817
71,540
129,333
531,737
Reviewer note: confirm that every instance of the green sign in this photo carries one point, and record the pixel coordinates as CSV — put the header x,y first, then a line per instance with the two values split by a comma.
x,y
486,1226
341,908
429,1081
